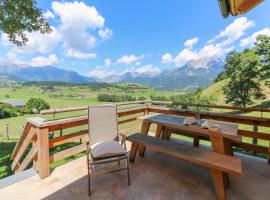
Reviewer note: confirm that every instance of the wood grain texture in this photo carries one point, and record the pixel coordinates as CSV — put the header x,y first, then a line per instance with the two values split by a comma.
x,y
196,155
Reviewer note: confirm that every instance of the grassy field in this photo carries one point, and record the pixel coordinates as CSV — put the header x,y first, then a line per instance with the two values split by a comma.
x,y
73,96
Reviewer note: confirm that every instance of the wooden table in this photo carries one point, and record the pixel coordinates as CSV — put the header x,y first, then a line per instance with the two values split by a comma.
x,y
222,143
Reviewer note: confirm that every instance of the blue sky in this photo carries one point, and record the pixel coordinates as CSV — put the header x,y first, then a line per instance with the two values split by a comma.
x,y
102,37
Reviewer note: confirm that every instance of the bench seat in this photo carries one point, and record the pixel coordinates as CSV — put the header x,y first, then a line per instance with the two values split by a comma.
x,y
219,164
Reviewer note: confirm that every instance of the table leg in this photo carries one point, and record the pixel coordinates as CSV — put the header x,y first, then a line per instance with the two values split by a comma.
x,y
145,128
159,130
218,180
223,146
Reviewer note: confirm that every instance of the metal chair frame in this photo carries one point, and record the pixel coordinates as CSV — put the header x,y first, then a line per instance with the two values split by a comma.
x,y
92,162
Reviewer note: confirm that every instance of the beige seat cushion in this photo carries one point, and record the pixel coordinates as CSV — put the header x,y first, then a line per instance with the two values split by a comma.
x,y
107,149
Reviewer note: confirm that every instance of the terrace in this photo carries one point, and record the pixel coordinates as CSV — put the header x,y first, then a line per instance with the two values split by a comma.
x,y
155,176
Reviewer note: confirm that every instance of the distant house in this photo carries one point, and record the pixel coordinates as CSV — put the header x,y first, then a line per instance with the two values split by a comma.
x,y
13,102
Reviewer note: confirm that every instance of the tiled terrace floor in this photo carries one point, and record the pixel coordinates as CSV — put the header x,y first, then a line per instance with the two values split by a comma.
x,y
155,176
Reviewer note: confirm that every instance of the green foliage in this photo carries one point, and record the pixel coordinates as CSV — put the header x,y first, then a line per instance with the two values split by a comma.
x,y
7,110
115,98
18,17
35,105
158,98
243,70
262,47
194,98
141,98
220,77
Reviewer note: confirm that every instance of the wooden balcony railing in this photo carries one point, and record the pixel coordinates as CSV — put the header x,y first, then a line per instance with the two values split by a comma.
x,y
34,145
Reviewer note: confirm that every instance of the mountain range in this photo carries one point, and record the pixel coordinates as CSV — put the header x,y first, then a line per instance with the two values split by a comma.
x,y
194,74
48,73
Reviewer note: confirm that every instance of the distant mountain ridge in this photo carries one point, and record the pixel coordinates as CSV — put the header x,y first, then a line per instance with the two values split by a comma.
x,y
194,74
48,73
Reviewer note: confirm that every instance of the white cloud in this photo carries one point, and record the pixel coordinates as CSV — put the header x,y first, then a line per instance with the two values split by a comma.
x,y
191,42
105,33
99,73
37,43
107,62
217,47
41,61
184,56
48,14
78,23
249,41
166,58
125,59
77,28
80,55
234,31
148,70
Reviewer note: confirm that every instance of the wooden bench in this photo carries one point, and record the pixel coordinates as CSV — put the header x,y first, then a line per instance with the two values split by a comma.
x,y
219,164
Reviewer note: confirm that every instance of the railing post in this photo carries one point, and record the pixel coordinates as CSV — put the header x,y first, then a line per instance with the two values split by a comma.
x,y
146,111
43,152
254,140
6,134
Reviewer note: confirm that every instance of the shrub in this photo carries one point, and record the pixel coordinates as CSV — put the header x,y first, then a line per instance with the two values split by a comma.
x,y
7,111
141,98
35,105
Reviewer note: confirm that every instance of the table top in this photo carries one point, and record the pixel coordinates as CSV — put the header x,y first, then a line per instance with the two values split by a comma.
x,y
176,122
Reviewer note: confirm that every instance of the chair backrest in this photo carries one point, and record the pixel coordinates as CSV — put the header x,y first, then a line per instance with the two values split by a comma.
x,y
103,123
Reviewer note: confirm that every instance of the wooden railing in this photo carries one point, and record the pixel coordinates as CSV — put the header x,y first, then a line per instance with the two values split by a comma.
x,y
34,145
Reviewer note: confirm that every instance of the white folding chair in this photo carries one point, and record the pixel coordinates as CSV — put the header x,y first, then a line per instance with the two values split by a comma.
x,y
104,146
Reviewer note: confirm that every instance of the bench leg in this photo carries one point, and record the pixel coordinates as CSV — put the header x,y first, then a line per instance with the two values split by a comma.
x,y
145,128
218,180
133,152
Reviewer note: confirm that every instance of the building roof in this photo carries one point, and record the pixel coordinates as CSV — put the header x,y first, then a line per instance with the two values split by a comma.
x,y
13,102
236,7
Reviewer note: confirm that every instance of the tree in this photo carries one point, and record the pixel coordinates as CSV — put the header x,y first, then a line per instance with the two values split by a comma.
x,y
242,69
262,47
17,17
35,105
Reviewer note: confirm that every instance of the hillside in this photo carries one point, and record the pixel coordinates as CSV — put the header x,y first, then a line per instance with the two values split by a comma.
x,y
215,89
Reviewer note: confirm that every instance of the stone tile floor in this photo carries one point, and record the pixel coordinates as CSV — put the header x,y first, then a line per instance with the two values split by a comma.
x,y
156,176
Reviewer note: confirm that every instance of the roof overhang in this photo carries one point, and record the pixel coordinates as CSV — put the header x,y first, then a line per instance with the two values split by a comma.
x,y
236,7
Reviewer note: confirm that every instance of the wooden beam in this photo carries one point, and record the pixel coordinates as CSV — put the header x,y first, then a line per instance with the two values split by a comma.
x,y
31,154
67,153
20,140
26,142
43,152
67,138
248,5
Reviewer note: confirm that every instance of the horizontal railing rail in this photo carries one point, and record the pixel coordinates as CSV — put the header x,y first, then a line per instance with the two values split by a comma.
x,y
35,146
238,108
81,108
